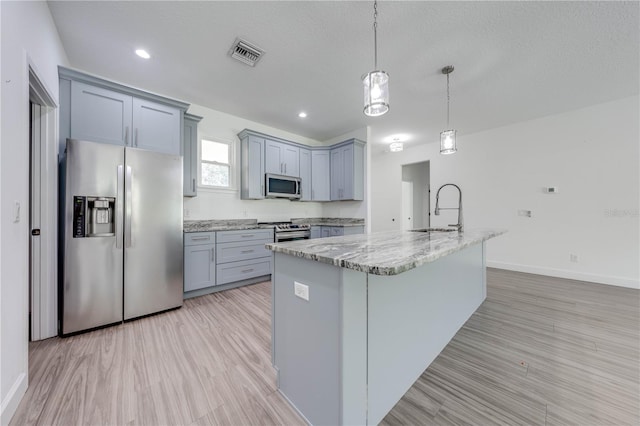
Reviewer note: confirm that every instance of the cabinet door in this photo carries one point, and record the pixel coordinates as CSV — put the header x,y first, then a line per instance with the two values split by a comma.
x,y
337,174
316,231
326,231
353,230
337,231
199,267
100,115
273,157
190,157
347,173
321,175
291,160
305,174
156,127
254,168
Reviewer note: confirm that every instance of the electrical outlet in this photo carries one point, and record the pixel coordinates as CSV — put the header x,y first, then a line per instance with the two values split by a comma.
x,y
187,213
301,290
524,213
573,257
244,213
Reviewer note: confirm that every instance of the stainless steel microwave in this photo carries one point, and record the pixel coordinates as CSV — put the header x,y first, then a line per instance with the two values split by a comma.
x,y
278,186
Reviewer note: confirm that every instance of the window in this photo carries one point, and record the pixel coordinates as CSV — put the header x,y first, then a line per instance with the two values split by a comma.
x,y
215,165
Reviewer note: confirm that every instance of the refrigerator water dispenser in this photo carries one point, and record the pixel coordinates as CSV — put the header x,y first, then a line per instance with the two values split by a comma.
x,y
93,216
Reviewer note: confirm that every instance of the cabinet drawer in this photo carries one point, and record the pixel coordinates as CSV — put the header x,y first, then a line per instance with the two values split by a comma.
x,y
198,238
245,269
245,235
233,252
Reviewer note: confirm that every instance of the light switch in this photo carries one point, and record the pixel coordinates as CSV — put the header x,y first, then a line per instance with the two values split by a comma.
x,y
16,211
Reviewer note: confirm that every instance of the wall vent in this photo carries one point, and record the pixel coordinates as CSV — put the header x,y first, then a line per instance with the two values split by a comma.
x,y
245,52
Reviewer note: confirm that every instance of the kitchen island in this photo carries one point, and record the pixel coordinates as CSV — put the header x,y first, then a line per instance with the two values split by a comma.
x,y
357,319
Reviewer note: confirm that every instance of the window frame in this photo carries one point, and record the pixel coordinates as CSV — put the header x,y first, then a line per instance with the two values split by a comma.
x,y
231,165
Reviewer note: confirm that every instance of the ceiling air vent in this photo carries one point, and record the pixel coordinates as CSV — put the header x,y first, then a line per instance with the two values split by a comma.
x,y
245,52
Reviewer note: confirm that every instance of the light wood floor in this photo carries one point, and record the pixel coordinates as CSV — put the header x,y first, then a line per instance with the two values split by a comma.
x,y
538,351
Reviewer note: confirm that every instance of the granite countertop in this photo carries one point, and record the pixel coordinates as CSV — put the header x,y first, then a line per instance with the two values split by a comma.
x,y
222,225
384,253
329,221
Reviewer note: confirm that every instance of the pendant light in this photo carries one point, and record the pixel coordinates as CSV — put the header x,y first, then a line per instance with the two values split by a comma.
x,y
448,137
376,82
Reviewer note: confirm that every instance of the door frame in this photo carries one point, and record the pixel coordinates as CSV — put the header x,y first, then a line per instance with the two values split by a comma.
x,y
44,300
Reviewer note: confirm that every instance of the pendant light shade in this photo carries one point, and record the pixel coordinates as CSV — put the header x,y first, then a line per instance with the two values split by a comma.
x,y
448,137
448,142
376,83
376,93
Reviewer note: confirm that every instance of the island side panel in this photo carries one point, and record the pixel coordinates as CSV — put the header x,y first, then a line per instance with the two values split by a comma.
x,y
354,348
411,318
307,337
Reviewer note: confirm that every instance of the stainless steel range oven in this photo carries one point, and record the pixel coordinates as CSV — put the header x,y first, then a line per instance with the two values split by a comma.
x,y
291,232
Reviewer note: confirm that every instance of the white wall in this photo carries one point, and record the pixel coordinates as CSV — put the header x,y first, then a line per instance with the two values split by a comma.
x,y
28,37
221,204
590,154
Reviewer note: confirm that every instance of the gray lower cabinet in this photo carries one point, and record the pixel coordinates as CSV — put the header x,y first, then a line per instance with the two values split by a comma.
x,y
190,154
241,255
318,231
199,260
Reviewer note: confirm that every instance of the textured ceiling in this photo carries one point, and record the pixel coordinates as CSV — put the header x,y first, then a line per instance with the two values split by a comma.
x,y
514,61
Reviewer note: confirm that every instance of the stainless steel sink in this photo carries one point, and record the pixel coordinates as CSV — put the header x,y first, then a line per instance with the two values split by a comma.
x,y
434,230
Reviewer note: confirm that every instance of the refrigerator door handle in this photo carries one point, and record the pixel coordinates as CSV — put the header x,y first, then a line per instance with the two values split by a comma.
x,y
119,212
128,181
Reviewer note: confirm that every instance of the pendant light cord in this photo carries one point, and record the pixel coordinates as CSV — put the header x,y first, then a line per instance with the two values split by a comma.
x,y
448,101
375,35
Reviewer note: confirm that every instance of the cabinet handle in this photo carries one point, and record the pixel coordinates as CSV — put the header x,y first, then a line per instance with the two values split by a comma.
x,y
285,168
244,271
262,190
246,251
200,238
136,141
280,167
213,255
126,135
313,195
246,235
194,184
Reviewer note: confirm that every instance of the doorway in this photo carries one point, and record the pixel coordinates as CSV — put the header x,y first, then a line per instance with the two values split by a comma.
x,y
415,195
43,195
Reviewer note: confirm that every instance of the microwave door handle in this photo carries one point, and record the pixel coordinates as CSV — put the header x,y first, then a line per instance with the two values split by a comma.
x,y
298,188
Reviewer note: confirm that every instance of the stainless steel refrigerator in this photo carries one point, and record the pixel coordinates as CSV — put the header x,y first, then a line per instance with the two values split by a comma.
x,y
122,235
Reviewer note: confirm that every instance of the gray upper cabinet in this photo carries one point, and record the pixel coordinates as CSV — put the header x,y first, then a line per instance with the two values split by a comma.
x,y
327,173
282,159
103,111
306,171
347,171
320,175
253,167
100,115
190,154
156,127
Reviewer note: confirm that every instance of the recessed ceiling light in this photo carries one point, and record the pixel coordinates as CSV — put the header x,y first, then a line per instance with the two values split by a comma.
x,y
302,114
400,137
143,53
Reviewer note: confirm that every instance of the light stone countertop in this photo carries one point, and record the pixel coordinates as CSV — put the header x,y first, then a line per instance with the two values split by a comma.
x,y
384,253
222,225
329,221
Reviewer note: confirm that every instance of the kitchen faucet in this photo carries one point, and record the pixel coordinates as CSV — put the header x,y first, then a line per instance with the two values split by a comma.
x,y
459,208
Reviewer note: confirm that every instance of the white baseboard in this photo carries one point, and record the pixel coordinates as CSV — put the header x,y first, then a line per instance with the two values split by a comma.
x,y
563,273
13,398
